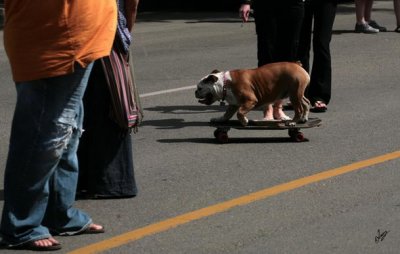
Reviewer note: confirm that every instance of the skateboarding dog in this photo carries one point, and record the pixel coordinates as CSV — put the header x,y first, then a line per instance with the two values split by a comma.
x,y
247,89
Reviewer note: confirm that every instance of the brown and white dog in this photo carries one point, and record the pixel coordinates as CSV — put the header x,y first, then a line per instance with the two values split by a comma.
x,y
247,89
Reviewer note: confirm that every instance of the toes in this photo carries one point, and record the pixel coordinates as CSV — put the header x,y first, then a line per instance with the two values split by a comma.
x,y
95,227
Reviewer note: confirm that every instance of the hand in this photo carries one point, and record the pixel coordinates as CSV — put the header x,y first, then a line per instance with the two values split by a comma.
x,y
244,12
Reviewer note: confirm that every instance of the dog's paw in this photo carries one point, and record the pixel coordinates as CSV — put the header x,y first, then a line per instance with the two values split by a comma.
x,y
244,121
303,120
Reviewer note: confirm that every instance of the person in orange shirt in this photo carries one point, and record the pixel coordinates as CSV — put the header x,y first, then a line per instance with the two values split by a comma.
x,y
50,47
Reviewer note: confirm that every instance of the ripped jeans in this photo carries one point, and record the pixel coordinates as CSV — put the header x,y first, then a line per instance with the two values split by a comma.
x,y
42,168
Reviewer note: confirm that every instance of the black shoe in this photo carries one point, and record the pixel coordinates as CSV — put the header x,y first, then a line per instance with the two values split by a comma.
x,y
376,26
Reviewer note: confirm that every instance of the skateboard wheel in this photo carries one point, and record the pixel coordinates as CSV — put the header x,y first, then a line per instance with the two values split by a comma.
x,y
297,136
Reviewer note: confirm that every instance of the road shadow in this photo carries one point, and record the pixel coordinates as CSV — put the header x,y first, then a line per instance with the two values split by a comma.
x,y
173,123
244,140
347,31
1,195
186,109
189,17
180,110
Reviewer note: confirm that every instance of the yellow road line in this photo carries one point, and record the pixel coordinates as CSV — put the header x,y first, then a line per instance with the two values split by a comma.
x,y
224,206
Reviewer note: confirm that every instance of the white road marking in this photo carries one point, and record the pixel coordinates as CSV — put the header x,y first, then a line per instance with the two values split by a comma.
x,y
167,91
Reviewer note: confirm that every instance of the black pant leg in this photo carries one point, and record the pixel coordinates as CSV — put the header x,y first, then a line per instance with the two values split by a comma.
x,y
290,19
305,36
321,74
266,29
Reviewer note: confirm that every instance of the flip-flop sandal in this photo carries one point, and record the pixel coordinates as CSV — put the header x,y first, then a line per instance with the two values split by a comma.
x,y
284,118
319,107
32,246
91,230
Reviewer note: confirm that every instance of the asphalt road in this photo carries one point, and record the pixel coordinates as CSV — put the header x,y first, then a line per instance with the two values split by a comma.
x,y
290,200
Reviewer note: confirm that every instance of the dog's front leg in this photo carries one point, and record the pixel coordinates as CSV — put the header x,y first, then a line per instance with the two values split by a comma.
x,y
242,112
230,111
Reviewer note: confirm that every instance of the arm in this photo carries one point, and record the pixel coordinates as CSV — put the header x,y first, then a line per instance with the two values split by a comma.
x,y
131,11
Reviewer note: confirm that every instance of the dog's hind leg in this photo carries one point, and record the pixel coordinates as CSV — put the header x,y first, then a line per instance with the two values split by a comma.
x,y
306,108
301,107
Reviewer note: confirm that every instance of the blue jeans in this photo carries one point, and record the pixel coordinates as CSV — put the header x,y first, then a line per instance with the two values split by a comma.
x,y
42,168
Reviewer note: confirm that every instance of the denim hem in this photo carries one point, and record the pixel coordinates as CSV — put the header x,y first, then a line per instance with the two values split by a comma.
x,y
10,245
69,233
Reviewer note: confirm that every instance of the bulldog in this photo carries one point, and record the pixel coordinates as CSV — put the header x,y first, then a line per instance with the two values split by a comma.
x,y
246,89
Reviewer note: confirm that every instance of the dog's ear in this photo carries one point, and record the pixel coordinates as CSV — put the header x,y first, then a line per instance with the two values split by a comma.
x,y
211,79
215,71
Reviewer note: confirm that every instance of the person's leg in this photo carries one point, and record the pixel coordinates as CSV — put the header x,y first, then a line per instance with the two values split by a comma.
x,y
291,15
28,169
43,136
360,11
396,5
368,19
321,74
266,24
368,9
290,18
60,216
305,37
363,15
97,110
106,167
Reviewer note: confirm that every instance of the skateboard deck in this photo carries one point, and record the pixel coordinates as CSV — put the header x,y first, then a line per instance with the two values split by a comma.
x,y
221,133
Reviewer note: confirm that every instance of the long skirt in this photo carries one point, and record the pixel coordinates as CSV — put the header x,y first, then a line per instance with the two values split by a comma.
x,y
105,152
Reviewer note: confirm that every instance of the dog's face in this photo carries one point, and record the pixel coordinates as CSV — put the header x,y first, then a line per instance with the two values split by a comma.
x,y
207,88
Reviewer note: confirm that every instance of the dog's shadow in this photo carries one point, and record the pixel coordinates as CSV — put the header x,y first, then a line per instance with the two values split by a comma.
x,y
179,123
232,140
187,109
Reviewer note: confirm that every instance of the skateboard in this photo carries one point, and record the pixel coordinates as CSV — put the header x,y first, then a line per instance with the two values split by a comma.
x,y
221,133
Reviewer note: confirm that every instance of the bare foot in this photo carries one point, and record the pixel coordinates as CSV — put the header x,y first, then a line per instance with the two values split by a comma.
x,y
268,113
279,114
93,229
45,242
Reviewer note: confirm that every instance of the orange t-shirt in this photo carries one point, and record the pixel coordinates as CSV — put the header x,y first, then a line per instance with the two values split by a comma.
x,y
45,38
